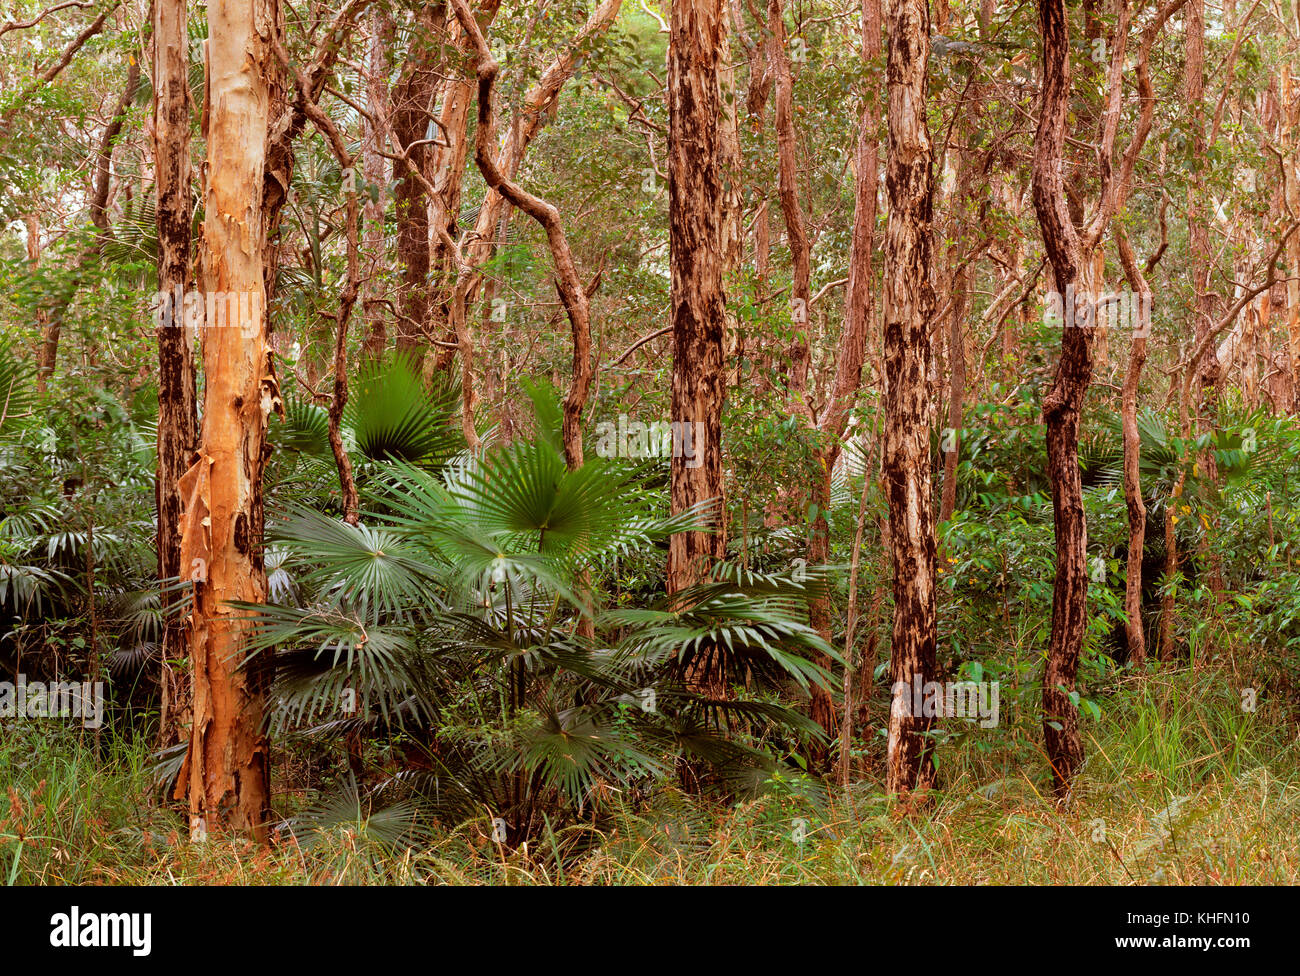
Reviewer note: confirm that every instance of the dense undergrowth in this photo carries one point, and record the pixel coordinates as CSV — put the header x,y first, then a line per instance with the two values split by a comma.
x,y
1181,787
440,715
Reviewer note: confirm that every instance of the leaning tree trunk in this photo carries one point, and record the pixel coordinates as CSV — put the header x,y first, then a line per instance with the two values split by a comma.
x,y
1061,406
909,305
698,307
228,763
177,420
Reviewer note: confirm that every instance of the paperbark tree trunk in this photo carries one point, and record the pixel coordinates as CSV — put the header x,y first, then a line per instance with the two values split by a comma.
x,y
1061,406
698,306
1287,118
412,102
177,417
375,170
228,764
908,307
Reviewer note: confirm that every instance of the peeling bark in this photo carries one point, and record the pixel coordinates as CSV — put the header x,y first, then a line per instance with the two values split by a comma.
x,y
177,416
909,306
698,305
228,765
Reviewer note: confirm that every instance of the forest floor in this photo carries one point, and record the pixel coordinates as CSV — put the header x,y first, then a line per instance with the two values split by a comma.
x,y
1179,788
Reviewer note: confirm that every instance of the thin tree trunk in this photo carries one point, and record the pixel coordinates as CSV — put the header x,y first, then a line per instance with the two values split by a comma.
x,y
448,177
1061,407
375,171
1133,501
859,311
1208,369
47,355
177,417
1287,117
1140,322
572,293
957,388
796,233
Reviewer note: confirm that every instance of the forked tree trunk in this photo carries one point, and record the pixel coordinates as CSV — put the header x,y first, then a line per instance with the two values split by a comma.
x,y
177,419
228,764
698,306
1140,322
573,296
909,305
448,177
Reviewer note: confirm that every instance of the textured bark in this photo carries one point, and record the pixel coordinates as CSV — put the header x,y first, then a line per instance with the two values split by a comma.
x,y
1198,231
908,307
1061,407
228,765
795,231
412,103
177,417
375,171
698,307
